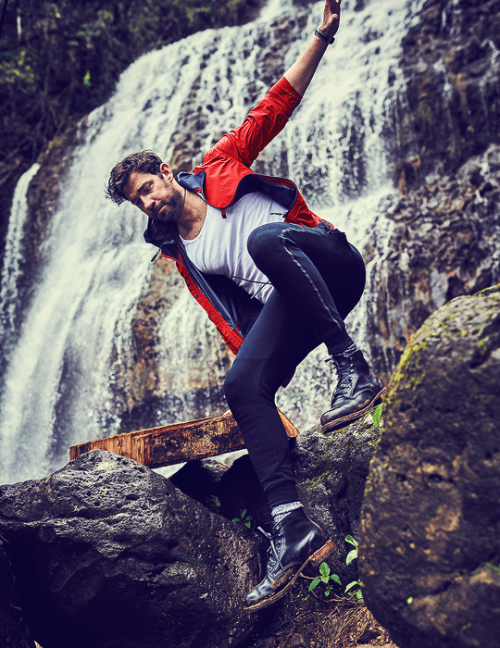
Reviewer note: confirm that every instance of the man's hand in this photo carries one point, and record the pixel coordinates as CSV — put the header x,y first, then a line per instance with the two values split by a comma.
x,y
331,17
302,71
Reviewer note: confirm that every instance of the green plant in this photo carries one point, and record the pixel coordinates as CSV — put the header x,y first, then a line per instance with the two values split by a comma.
x,y
352,555
216,501
245,518
327,578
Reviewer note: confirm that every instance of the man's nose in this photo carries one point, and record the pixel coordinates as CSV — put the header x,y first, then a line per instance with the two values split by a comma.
x,y
147,202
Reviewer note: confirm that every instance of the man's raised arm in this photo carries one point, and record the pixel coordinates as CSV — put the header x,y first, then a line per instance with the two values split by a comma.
x,y
271,114
302,71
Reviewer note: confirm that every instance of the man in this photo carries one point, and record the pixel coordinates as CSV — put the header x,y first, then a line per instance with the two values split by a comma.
x,y
276,280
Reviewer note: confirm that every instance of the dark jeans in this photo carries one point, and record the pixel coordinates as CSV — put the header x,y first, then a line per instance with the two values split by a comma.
x,y
318,279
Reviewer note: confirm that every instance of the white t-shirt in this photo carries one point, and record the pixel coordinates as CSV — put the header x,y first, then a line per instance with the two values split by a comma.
x,y
221,246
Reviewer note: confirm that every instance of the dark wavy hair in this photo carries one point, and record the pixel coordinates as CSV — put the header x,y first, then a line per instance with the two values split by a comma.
x,y
142,162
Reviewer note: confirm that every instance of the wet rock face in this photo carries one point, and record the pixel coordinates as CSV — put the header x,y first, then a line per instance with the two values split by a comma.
x,y
449,107
443,241
108,553
442,236
331,472
42,196
430,539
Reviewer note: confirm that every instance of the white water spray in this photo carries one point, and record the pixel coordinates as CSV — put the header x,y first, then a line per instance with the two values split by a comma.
x,y
11,272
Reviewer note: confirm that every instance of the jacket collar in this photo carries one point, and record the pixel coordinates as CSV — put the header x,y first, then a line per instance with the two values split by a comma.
x,y
158,233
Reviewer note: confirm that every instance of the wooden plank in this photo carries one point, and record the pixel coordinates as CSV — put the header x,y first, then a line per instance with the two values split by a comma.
x,y
172,444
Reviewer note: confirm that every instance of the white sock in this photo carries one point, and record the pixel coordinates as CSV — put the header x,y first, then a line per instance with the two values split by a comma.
x,y
282,510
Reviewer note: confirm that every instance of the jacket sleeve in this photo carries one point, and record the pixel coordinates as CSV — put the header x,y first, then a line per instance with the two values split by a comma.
x,y
261,125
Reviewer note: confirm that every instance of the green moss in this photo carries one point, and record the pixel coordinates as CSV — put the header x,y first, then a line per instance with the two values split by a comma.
x,y
415,381
482,346
408,369
317,481
489,291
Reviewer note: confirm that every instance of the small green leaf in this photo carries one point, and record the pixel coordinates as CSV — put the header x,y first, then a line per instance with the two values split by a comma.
x,y
236,519
376,416
243,513
351,540
351,585
336,579
409,600
315,582
324,569
248,524
352,555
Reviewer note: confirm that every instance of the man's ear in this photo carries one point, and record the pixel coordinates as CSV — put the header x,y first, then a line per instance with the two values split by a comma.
x,y
166,171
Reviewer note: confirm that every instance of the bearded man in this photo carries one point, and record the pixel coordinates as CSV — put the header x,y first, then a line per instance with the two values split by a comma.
x,y
276,280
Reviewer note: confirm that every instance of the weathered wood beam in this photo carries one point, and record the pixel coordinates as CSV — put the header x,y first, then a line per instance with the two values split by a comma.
x,y
172,444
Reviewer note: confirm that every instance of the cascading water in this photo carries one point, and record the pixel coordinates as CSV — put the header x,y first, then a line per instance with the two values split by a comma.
x,y
11,272
67,375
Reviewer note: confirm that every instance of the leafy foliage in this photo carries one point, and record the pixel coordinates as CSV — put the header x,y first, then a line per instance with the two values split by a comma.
x,y
352,555
245,518
327,578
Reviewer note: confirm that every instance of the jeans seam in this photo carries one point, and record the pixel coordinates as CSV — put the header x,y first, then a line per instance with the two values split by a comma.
x,y
325,305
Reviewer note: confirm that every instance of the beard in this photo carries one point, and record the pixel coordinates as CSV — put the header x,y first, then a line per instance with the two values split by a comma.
x,y
169,211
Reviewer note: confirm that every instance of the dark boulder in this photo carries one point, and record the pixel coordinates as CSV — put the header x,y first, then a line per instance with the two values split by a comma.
x,y
331,472
108,553
14,632
430,539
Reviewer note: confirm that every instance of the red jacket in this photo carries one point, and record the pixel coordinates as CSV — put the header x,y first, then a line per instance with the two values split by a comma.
x,y
224,177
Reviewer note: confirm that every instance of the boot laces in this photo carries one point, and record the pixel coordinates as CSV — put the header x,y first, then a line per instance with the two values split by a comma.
x,y
344,376
272,548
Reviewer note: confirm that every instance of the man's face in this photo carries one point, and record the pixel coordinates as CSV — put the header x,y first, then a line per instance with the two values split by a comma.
x,y
158,196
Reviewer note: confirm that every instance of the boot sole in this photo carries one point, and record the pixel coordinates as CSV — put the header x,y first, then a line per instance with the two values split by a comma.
x,y
314,559
350,418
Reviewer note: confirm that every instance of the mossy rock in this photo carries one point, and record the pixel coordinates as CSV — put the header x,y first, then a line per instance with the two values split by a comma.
x,y
331,472
430,536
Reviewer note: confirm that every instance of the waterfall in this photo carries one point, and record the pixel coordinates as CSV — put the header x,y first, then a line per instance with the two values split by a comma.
x,y
11,271
67,379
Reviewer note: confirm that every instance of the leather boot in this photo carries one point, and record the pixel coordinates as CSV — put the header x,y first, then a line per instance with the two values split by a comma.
x,y
295,543
357,392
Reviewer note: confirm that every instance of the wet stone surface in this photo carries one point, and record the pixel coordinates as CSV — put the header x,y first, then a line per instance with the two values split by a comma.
x,y
107,539
429,548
